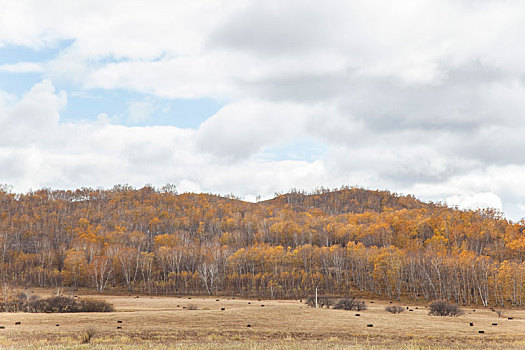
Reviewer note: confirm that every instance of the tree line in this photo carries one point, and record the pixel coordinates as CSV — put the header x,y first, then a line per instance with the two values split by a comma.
x,y
348,241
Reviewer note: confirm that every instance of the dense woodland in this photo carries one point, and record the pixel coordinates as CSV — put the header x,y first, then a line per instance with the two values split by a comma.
x,y
349,241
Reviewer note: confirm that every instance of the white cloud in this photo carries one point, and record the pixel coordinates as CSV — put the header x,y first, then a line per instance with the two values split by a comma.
x,y
421,97
22,67
476,201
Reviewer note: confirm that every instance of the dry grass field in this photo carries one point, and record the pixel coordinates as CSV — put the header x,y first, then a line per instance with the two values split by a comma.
x,y
167,322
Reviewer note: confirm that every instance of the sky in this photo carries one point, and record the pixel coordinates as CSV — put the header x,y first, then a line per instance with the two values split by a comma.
x,y
422,97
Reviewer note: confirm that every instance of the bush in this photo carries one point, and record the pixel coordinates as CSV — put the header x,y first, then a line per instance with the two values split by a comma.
x,y
350,304
89,333
394,309
444,308
93,305
57,304
321,301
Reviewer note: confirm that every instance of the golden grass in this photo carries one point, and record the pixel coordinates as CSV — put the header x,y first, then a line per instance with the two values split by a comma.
x,y
166,322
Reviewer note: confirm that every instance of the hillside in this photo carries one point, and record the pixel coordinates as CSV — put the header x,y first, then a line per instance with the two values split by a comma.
x,y
346,241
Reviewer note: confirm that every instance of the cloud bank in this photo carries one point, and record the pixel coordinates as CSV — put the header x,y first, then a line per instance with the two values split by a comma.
x,y
423,97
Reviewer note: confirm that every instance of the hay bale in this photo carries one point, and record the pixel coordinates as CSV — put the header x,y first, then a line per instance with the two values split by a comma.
x,y
262,305
248,325
57,325
471,324
481,332
2,327
249,303
17,323
118,327
370,325
494,324
216,299
119,321
222,308
509,318
358,314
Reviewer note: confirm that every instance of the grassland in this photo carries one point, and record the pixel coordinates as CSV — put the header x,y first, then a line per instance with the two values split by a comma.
x,y
167,322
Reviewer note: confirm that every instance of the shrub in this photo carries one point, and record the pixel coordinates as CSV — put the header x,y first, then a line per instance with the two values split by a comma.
x,y
93,305
350,304
444,308
321,301
58,304
89,333
395,309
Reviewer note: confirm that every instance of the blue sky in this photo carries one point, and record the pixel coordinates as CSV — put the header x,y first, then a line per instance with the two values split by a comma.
x,y
88,104
254,98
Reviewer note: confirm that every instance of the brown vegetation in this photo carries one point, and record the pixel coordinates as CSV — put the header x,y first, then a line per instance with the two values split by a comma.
x,y
444,308
345,242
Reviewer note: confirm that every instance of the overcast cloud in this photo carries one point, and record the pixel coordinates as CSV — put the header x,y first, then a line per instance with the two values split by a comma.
x,y
418,97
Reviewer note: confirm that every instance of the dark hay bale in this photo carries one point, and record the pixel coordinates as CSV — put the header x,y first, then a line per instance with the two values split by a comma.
x,y
189,298
118,327
262,305
390,302
137,297
119,321
494,324
216,299
410,310
358,314
509,318
222,309
17,323
2,327
184,307
57,325
417,308
481,332
370,325
248,325
371,302
471,324
249,303
258,299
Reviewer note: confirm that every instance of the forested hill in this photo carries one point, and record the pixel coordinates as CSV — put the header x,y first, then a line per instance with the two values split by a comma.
x,y
347,200
348,241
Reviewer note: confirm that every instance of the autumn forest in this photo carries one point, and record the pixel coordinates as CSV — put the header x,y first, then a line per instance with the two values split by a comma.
x,y
348,241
